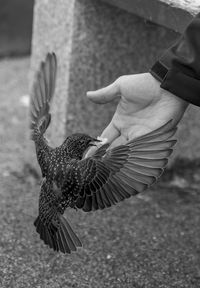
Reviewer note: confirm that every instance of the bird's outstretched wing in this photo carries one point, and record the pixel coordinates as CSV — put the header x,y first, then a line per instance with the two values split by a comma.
x,y
114,175
52,227
41,95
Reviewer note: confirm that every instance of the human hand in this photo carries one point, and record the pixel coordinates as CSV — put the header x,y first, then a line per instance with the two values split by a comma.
x,y
143,107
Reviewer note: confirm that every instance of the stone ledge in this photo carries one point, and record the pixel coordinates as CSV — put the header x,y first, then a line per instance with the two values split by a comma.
x,y
173,14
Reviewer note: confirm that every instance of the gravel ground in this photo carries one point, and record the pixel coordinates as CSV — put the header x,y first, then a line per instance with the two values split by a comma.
x,y
151,240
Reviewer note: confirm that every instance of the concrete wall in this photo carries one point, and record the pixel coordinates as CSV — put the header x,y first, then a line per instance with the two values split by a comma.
x,y
95,43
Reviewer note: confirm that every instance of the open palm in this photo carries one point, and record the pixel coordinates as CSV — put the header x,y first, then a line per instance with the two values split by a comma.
x,y
143,106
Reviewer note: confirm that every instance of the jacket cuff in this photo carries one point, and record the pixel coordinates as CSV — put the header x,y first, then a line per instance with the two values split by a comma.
x,y
159,71
178,83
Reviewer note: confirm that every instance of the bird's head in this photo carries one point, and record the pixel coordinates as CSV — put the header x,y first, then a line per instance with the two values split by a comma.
x,y
76,144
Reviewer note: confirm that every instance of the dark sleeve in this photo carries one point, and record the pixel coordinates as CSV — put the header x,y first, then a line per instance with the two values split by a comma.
x,y
178,69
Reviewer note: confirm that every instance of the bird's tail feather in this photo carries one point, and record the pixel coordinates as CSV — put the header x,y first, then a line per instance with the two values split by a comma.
x,y
61,238
41,95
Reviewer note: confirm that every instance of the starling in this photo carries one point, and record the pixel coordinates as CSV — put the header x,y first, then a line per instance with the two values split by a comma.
x,y
96,182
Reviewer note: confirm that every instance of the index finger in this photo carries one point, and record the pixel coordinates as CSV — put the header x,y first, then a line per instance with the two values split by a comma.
x,y
111,133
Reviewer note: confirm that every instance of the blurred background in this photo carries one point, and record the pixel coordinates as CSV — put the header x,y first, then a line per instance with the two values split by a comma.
x,y
16,19
151,240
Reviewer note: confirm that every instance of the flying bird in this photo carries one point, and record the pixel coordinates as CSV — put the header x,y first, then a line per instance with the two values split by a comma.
x,y
89,183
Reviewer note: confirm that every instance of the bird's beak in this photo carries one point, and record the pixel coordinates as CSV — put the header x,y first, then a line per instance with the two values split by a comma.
x,y
94,142
98,141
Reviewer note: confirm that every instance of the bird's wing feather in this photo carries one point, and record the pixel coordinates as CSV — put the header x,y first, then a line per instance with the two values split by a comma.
x,y
114,175
52,227
42,93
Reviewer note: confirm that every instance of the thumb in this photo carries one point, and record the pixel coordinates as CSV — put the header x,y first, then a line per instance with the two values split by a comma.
x,y
105,95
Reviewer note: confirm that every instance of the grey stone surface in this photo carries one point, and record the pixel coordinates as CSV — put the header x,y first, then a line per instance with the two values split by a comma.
x,y
96,43
173,14
53,27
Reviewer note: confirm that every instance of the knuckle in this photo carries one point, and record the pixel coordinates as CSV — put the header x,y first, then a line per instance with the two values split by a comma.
x,y
120,80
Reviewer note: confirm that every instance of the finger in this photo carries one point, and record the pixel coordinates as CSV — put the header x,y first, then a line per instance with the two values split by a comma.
x,y
90,152
110,133
135,133
105,95
121,140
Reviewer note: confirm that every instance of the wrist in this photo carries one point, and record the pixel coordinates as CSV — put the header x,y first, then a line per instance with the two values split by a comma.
x,y
155,88
165,93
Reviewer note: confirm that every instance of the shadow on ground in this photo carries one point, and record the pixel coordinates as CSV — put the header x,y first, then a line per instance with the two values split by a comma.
x,y
151,240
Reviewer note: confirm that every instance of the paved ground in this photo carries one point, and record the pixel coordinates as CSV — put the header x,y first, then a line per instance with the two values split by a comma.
x,y
152,240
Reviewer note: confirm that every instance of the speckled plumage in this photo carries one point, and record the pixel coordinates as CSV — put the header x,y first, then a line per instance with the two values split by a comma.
x,y
96,182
